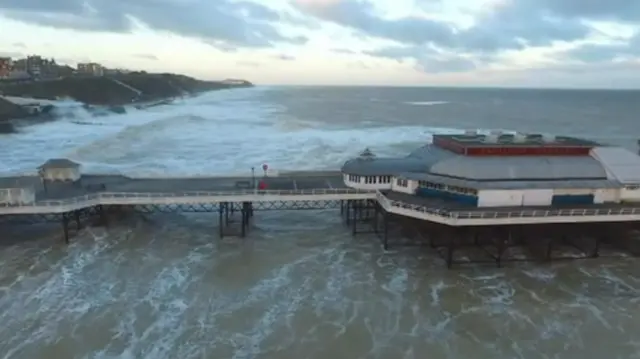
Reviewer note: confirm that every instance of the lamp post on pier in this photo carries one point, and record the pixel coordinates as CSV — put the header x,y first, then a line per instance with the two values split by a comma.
x,y
253,177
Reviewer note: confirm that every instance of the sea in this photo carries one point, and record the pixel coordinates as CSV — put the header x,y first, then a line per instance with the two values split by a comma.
x,y
164,286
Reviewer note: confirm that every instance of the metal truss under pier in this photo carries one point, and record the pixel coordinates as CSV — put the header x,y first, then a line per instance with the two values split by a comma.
x,y
492,244
228,225
456,245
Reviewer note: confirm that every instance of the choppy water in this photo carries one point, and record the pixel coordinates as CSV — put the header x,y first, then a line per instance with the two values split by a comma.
x,y
300,286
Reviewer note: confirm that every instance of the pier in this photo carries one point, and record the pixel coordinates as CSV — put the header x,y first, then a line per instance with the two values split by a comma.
x,y
459,234
455,207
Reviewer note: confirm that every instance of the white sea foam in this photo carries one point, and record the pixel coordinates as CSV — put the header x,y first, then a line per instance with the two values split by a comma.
x,y
426,103
217,133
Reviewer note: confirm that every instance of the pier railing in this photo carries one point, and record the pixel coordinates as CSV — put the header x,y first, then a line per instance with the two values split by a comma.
x,y
95,198
516,213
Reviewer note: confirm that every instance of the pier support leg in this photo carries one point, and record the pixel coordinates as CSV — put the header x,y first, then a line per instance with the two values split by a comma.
x,y
550,247
500,246
221,219
103,215
250,209
65,227
76,215
226,212
245,218
596,247
355,217
451,246
341,207
348,211
385,234
375,217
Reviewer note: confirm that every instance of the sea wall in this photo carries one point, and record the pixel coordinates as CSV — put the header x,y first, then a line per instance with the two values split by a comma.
x,y
118,89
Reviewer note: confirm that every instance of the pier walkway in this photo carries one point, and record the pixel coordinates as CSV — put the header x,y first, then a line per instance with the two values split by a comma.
x,y
93,190
110,190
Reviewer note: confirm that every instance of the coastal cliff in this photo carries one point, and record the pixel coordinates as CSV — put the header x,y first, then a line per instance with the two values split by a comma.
x,y
117,89
114,91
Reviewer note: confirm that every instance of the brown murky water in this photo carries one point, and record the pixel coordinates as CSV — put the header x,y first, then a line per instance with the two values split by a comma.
x,y
300,286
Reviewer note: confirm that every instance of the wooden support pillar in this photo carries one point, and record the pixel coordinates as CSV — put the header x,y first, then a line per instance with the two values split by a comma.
x,y
65,227
226,212
341,207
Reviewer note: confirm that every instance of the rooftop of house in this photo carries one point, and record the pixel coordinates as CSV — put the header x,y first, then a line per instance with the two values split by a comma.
x,y
59,163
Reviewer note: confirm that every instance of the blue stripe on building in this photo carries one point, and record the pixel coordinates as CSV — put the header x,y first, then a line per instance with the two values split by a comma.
x,y
572,199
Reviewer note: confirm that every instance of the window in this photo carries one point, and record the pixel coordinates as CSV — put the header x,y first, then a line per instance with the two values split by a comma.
x,y
401,182
632,187
385,179
354,178
431,185
462,190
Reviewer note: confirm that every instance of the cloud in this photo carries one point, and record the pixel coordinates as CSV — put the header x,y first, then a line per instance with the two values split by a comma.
x,y
248,64
234,23
284,57
514,25
506,26
598,53
146,56
357,65
344,51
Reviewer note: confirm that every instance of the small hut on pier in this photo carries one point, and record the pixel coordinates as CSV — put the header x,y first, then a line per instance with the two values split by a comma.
x,y
59,170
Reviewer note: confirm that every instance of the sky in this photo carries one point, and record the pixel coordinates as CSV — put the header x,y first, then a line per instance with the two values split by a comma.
x,y
519,43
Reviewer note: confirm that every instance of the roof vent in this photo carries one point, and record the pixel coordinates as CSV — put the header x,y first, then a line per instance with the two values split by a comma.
x,y
367,155
505,138
491,138
519,138
546,138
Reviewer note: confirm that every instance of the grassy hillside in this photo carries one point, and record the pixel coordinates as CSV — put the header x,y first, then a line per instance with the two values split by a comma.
x,y
109,90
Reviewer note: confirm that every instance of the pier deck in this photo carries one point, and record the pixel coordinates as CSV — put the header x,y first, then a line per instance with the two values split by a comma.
x,y
113,183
